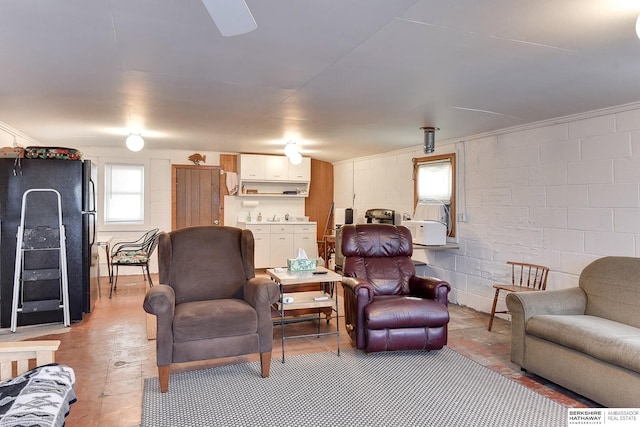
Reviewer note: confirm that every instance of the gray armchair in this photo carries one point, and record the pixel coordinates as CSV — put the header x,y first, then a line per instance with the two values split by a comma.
x,y
209,304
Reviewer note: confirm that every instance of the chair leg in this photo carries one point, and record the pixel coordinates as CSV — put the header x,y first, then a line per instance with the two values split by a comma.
x,y
163,374
493,309
114,282
265,363
148,275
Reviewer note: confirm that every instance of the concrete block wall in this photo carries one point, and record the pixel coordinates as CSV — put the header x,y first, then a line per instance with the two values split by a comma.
x,y
560,193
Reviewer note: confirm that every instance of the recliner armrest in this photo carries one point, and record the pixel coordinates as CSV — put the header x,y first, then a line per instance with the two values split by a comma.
x,y
260,293
431,288
358,287
261,290
160,300
358,293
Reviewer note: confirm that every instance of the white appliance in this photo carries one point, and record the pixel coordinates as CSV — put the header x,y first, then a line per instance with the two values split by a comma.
x,y
429,233
436,211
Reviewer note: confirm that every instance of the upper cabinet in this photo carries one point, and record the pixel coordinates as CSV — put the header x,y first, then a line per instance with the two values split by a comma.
x,y
276,168
301,172
262,175
251,167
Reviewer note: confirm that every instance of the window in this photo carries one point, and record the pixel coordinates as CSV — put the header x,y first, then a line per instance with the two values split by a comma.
x,y
124,193
435,187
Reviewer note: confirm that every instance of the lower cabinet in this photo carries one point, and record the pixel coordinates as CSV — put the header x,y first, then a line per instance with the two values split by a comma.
x,y
305,237
281,248
274,243
262,245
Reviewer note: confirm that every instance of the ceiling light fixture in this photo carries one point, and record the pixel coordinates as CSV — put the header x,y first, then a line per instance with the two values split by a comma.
x,y
134,142
429,138
292,151
295,158
638,26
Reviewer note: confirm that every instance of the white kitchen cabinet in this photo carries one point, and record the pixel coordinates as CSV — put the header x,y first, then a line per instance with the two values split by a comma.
x,y
273,176
251,166
301,172
281,244
276,168
308,242
305,237
262,245
282,228
276,242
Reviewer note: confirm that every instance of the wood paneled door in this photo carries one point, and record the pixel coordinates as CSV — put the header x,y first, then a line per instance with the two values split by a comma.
x,y
195,196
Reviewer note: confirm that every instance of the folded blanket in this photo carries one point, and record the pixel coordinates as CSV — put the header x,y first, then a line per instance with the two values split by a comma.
x,y
39,397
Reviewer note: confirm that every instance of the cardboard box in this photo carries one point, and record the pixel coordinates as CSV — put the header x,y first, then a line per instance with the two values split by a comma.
x,y
301,264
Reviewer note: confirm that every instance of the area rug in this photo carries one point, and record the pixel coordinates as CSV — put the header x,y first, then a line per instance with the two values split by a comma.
x,y
437,388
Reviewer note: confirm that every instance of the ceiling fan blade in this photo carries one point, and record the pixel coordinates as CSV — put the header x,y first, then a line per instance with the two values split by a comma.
x,y
232,17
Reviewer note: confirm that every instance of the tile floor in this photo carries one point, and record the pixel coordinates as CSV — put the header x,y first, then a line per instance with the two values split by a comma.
x,y
111,355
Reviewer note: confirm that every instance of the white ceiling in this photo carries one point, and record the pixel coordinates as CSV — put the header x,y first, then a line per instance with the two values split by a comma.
x,y
345,78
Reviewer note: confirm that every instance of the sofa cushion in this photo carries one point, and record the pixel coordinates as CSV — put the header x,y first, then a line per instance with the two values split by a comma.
x,y
603,339
224,317
130,257
405,312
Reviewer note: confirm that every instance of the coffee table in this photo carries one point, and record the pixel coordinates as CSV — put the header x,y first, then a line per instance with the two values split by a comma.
x,y
325,297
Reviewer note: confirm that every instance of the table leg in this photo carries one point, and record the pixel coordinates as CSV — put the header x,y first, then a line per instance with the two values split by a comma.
x,y
335,291
107,250
282,317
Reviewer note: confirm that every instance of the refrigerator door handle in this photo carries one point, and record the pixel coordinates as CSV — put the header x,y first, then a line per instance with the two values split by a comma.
x,y
92,218
92,196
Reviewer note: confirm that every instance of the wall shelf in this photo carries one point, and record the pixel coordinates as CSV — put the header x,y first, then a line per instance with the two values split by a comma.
x,y
273,189
272,176
286,196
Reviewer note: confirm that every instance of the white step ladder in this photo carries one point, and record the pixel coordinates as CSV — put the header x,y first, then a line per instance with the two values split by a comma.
x,y
35,241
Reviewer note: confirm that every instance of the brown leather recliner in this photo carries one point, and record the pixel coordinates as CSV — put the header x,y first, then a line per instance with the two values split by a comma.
x,y
388,307
209,304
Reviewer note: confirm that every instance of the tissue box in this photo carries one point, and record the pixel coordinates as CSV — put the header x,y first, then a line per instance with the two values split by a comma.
x,y
301,264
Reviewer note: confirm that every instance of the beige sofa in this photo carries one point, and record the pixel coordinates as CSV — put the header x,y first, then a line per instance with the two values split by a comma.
x,y
586,339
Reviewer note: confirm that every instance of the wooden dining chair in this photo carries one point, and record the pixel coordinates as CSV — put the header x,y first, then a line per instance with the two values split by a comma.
x,y
524,277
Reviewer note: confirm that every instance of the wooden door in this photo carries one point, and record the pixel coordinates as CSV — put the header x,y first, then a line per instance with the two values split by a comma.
x,y
195,195
318,205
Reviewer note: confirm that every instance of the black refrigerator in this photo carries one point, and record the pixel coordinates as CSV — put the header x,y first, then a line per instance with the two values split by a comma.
x,y
75,181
